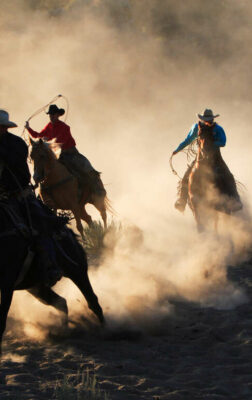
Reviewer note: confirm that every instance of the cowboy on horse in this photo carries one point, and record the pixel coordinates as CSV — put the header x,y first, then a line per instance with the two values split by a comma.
x,y
19,202
75,162
34,241
207,125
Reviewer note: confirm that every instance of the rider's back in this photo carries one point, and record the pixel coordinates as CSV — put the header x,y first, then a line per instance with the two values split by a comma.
x,y
15,174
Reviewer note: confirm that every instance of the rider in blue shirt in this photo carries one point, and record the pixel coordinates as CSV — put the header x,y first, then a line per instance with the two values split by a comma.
x,y
218,132
219,141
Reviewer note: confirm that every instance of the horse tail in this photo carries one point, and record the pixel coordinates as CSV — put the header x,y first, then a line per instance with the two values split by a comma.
x,y
109,207
103,195
240,186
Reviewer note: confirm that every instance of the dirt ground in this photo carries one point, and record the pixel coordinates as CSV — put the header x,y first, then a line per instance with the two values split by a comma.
x,y
195,353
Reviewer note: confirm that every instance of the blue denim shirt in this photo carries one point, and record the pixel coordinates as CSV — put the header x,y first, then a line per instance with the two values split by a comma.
x,y
219,137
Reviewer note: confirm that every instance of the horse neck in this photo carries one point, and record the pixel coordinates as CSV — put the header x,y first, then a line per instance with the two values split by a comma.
x,y
55,170
208,152
49,164
51,159
206,140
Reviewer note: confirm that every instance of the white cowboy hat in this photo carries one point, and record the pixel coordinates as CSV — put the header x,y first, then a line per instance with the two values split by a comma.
x,y
208,115
4,120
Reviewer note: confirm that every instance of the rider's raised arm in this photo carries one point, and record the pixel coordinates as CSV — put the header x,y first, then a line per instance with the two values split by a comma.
x,y
41,134
219,136
192,135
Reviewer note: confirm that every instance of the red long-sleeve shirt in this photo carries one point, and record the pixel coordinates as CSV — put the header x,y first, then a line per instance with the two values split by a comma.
x,y
59,131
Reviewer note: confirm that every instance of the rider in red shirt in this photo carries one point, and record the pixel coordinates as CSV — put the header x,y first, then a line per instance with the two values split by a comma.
x,y
60,131
78,164
55,129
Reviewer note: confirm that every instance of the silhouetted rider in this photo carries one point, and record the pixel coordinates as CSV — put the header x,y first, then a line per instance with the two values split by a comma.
x,y
206,121
15,190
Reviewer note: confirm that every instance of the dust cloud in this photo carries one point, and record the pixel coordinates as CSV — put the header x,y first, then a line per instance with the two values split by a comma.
x,y
135,75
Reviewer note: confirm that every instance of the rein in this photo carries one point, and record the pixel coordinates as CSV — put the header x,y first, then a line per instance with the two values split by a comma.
x,y
49,188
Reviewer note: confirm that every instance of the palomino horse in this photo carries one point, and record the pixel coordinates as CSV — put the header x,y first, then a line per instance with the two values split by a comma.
x,y
59,189
69,254
212,187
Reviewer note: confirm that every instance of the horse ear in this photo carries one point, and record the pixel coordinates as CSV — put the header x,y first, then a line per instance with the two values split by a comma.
x,y
41,141
32,142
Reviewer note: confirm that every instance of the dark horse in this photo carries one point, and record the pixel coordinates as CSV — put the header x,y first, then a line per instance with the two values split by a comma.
x,y
212,187
15,247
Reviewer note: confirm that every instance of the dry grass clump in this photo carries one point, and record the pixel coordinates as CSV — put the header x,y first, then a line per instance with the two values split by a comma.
x,y
82,386
96,235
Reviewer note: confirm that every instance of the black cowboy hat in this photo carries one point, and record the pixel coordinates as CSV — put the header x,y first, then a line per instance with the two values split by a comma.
x,y
208,115
53,109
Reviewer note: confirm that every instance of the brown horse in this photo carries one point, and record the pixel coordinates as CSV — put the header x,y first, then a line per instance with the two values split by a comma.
x,y
59,189
212,187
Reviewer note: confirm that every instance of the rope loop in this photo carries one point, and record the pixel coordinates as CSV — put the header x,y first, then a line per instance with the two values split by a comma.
x,y
172,168
26,136
190,153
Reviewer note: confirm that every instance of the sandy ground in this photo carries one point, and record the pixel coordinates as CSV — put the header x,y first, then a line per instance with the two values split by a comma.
x,y
196,353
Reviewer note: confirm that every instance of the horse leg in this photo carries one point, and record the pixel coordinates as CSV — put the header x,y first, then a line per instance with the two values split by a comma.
x,y
103,213
48,297
83,283
6,298
198,217
77,215
99,204
86,217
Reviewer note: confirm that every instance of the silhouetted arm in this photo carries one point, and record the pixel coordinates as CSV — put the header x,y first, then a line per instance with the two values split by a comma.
x,y
192,135
42,134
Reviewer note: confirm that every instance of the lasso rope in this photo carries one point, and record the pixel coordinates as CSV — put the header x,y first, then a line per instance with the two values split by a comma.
x,y
190,152
26,136
172,168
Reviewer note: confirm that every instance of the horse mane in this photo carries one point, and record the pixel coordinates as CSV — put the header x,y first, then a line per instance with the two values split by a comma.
x,y
52,147
55,147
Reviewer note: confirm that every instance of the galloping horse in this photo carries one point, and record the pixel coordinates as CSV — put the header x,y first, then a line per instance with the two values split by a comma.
x,y
212,187
15,275
59,189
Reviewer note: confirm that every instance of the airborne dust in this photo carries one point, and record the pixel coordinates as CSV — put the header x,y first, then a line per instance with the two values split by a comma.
x,y
136,74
